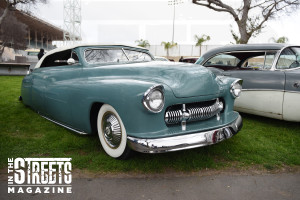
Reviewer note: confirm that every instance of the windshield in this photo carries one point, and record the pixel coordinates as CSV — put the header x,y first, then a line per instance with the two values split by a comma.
x,y
94,56
289,58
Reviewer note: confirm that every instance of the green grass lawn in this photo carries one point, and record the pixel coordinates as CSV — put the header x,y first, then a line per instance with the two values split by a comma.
x,y
262,142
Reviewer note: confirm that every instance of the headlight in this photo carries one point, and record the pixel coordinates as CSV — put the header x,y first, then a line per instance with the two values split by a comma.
x,y
154,99
236,88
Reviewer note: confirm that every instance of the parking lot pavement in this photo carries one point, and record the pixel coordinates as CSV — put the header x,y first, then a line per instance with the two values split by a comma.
x,y
240,187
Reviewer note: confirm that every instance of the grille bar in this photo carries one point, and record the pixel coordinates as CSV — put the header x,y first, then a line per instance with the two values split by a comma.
x,y
193,112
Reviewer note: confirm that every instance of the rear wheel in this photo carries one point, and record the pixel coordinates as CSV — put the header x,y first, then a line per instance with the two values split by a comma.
x,y
112,133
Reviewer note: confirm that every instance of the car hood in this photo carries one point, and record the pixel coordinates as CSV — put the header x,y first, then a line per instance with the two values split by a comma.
x,y
185,80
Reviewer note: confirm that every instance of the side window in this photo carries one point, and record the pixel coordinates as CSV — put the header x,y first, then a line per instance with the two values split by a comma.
x,y
74,56
137,56
262,62
57,59
256,62
270,56
289,58
223,60
93,56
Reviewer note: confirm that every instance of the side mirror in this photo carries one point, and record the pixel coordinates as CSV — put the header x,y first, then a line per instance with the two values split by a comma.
x,y
71,61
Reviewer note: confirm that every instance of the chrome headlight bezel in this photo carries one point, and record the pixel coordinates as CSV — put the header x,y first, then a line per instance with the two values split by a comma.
x,y
146,98
236,85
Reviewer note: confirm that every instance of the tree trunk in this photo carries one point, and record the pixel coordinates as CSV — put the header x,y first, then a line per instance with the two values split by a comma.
x,y
200,49
4,14
1,52
243,32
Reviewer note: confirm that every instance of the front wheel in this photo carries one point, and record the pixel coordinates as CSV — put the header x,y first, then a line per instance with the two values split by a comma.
x,y
112,133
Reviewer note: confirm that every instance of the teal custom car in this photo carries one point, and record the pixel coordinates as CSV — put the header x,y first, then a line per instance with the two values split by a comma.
x,y
132,101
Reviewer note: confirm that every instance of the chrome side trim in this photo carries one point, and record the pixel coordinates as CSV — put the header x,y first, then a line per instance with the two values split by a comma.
x,y
288,91
262,90
65,126
188,141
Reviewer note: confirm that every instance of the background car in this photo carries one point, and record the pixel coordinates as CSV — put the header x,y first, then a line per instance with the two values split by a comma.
x,y
132,101
270,73
189,59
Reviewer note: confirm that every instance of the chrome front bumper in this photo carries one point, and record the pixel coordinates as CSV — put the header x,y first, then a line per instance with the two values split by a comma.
x,y
189,141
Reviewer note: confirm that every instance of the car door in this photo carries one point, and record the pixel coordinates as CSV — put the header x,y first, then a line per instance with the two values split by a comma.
x,y
289,63
38,90
60,83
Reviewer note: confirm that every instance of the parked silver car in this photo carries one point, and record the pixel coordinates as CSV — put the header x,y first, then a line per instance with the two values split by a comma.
x,y
271,75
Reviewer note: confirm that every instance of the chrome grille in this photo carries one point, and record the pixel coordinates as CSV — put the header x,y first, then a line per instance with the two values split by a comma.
x,y
193,111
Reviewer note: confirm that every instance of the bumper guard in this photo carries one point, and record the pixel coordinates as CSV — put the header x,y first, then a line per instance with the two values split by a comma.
x,y
189,141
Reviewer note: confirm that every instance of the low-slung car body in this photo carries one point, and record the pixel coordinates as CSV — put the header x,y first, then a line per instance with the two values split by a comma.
x,y
270,73
131,100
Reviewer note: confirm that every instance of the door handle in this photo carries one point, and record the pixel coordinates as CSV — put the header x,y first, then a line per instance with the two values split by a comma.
x,y
296,85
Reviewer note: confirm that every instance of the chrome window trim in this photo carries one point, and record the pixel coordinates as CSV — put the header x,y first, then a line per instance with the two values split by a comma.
x,y
250,51
125,54
273,68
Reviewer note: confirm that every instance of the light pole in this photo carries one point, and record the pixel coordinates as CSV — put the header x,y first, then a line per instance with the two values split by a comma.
x,y
174,3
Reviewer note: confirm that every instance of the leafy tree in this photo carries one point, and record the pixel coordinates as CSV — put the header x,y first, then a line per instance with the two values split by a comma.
x,y
168,46
143,43
201,40
10,5
282,39
251,16
12,32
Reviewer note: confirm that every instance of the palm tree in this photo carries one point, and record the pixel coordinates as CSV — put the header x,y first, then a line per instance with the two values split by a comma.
x,y
201,40
168,46
143,43
282,39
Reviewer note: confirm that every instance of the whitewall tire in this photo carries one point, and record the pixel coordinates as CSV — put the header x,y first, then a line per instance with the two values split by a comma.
x,y
112,133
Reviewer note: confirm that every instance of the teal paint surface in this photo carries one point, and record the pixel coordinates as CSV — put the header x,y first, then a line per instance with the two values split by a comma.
x,y
67,93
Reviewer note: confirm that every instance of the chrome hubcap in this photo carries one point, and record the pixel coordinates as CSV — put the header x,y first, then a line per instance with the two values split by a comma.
x,y
111,130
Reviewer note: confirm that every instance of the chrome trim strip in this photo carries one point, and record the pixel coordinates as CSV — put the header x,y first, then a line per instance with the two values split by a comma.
x,y
262,90
125,54
188,141
288,91
65,126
